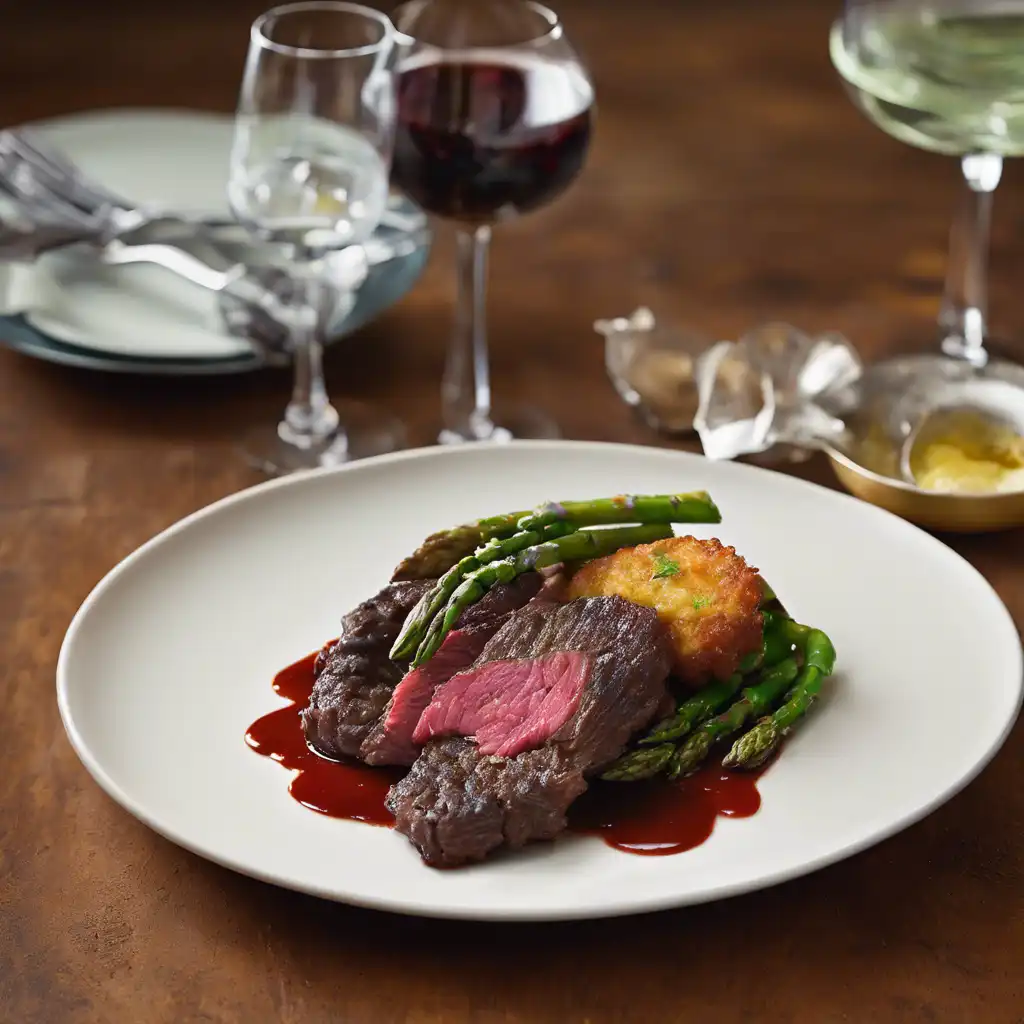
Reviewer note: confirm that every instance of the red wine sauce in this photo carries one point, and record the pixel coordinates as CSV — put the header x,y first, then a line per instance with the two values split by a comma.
x,y
652,819
338,789
659,818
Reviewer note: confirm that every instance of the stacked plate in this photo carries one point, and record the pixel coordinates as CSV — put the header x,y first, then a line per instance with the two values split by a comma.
x,y
143,319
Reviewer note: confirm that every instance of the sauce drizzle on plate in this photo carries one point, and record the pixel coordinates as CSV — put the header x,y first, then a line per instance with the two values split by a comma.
x,y
340,790
647,818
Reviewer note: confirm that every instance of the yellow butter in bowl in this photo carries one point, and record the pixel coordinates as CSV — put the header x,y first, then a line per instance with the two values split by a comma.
x,y
964,452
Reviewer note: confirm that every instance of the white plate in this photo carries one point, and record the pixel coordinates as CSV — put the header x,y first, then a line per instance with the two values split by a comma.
x,y
177,160
171,658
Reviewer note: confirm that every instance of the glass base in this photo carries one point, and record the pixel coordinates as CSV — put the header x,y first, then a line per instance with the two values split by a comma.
x,y
955,347
367,431
518,421
994,350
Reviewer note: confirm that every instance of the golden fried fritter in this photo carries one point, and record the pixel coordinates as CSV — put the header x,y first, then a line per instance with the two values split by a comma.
x,y
704,592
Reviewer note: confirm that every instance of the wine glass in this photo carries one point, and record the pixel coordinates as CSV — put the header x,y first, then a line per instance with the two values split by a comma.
x,y
312,149
947,76
494,116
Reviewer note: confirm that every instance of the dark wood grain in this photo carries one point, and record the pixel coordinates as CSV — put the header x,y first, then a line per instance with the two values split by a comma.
x,y
731,181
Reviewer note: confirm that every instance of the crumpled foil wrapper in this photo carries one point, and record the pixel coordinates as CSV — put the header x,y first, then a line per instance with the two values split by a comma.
x,y
653,368
777,390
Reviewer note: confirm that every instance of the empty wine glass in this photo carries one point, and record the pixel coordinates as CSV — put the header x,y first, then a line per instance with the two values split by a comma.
x,y
947,76
312,151
494,120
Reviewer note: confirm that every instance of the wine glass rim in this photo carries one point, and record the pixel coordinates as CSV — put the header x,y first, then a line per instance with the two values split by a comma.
x,y
554,30
261,39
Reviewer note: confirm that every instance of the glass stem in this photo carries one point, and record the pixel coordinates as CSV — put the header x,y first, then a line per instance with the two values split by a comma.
x,y
309,419
466,388
964,312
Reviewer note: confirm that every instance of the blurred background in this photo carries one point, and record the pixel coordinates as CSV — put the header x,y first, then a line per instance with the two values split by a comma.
x,y
730,182
742,185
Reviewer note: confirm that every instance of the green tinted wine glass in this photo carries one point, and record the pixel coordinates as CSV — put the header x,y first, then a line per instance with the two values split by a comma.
x,y
946,76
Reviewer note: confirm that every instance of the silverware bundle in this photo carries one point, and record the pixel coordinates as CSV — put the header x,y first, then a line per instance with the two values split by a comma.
x,y
47,203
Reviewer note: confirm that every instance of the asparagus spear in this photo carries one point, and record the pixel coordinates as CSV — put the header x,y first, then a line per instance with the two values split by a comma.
x,y
700,707
438,553
819,652
658,746
695,507
581,544
415,627
454,551
753,749
775,647
775,643
758,744
754,700
442,550
639,764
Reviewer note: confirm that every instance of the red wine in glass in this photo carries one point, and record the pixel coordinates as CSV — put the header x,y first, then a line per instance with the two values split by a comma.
x,y
484,139
494,112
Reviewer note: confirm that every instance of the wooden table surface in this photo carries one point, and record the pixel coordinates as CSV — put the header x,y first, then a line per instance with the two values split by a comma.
x,y
731,181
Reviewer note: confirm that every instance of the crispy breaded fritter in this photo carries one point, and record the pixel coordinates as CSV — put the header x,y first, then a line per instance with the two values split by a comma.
x,y
704,592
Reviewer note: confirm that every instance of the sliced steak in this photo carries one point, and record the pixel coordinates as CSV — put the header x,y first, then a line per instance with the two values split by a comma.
x,y
391,739
555,696
457,806
509,706
355,676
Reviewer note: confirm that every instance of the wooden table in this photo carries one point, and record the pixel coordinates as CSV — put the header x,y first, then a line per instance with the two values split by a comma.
x,y
731,182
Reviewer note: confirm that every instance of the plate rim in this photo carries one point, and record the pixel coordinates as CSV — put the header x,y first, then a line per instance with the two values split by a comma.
x,y
642,906
109,114
19,336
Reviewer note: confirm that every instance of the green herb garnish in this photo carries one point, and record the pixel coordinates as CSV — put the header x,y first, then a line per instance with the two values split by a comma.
x,y
700,602
664,567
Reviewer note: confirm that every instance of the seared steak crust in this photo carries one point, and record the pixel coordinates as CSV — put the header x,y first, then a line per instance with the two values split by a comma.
x,y
356,678
457,805
355,675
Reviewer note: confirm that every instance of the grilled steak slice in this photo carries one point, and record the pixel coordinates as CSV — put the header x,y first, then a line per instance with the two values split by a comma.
x,y
554,697
355,676
391,739
457,806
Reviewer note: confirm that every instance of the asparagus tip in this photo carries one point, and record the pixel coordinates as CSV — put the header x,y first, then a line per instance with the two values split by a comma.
x,y
668,730
755,747
638,764
690,754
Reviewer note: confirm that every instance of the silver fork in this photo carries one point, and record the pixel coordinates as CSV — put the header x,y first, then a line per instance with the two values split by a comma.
x,y
58,177
56,172
258,303
32,203
38,174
